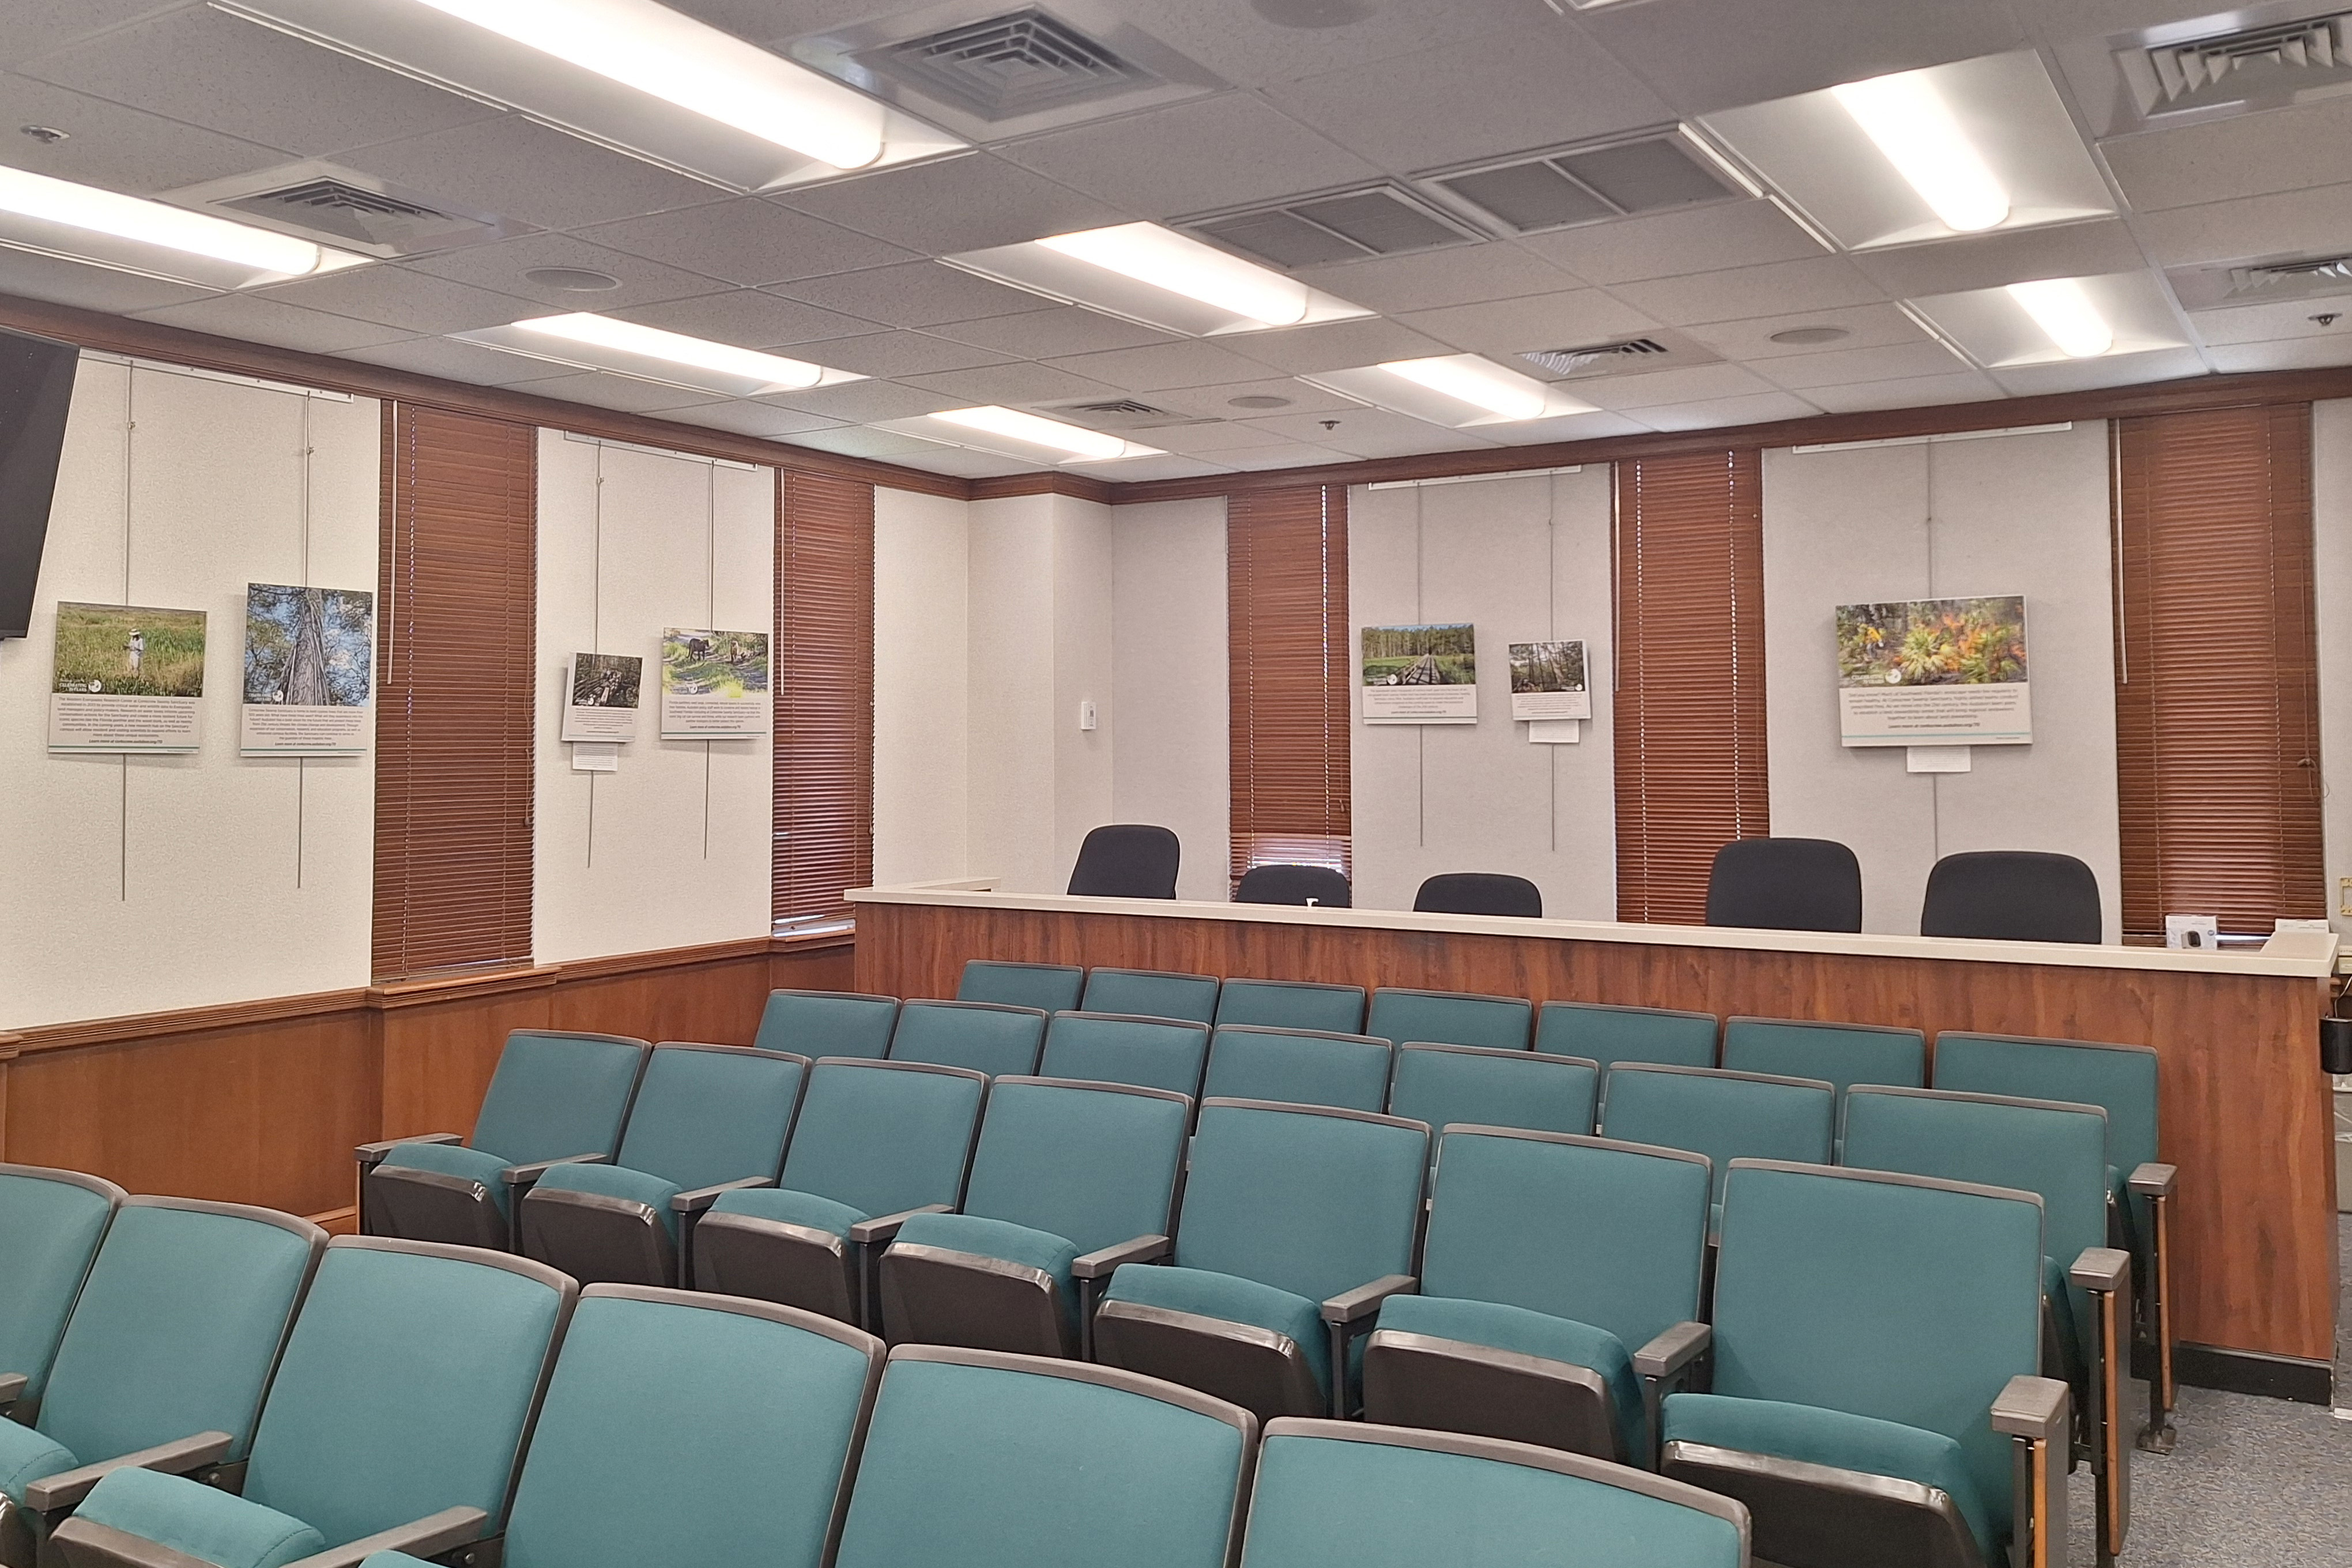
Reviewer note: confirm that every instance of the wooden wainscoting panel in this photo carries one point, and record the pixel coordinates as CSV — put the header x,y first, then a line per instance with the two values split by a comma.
x,y
817,964
709,996
441,1044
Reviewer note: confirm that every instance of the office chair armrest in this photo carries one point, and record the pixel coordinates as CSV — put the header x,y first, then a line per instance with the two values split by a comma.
x,y
12,1386
1354,1305
1142,1250
2153,1180
524,1175
699,1198
427,1536
867,1232
2101,1268
67,1488
1673,1350
370,1155
2034,1407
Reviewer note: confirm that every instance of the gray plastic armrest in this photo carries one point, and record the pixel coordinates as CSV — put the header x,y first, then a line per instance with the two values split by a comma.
x,y
2100,1268
524,1175
373,1153
700,1199
12,1386
1354,1305
2034,1407
67,1488
2153,1180
867,1232
1673,1350
1142,1250
427,1536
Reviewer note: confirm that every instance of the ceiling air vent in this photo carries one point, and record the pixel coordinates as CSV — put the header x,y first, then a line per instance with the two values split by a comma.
x,y
1121,414
1591,184
1569,362
1346,226
2253,68
2263,282
1011,64
349,210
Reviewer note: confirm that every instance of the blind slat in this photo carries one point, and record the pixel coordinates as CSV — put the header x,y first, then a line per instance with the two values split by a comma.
x,y
1287,609
824,696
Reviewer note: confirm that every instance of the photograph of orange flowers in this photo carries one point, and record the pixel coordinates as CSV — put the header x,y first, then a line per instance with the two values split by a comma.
x,y
1933,642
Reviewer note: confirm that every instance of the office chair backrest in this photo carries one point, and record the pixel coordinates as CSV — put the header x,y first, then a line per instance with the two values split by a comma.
x,y
1318,885
989,1460
815,1024
1307,1199
1900,1297
556,1094
1151,993
1095,1165
1150,1053
178,1326
1299,1067
884,1137
682,1428
986,1036
1478,893
2011,895
706,1114
2120,1079
1449,1018
51,1225
408,1385
1126,860
1446,1084
1785,884
1048,987
1721,1114
1608,1034
1341,1494
1844,1054
1293,1004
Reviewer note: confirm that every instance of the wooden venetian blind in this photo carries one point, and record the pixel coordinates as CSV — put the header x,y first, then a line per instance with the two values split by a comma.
x,y
1286,628
824,697
1690,675
454,694
2217,699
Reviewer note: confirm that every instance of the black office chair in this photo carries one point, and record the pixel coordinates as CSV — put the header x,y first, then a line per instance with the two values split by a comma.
x,y
1318,885
2011,895
1785,884
1478,893
1126,860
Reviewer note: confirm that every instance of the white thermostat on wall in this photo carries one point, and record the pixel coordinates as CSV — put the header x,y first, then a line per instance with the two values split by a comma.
x,y
1085,715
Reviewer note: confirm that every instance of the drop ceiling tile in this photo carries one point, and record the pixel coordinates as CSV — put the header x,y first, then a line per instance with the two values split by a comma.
x,y
1245,44
453,361
29,28
854,441
965,463
1217,402
1335,345
211,69
1669,244
1376,433
2269,323
1540,322
2293,223
867,402
2306,354
2115,369
1908,391
1573,428
1658,388
1759,409
258,318
63,282
1864,326
1288,455
1186,362
503,267
1168,465
749,318
2242,155
1189,157
396,297
1844,367
1216,437
1821,283
753,419
1458,275
604,390
520,170
118,148
1013,384
1052,333
969,202
900,354
747,241
914,294
1990,260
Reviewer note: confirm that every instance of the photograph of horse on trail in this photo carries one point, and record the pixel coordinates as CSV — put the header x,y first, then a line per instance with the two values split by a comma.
x,y
714,664
129,650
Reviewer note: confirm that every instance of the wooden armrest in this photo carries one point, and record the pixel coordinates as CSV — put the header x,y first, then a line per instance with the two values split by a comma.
x,y
2036,1407
373,1153
524,1175
1354,1305
2152,1180
1673,1350
1101,1265
695,1200
12,1386
67,1488
2101,1269
867,1232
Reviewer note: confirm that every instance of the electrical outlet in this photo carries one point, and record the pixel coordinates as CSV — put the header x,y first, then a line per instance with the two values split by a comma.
x,y
2343,895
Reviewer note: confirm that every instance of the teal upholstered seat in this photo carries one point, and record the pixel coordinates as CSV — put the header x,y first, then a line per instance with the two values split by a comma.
x,y
704,1115
1449,1018
1609,1034
404,1390
1044,1463
1297,1066
986,1036
1839,1054
1571,1248
51,1225
815,1024
1230,1299
1333,1494
1293,1004
1062,1169
1722,1114
1151,993
1308,1201
1151,1053
1048,987
1475,1084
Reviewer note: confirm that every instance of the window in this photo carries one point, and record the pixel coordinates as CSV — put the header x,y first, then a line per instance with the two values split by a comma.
x,y
1287,614
824,698
454,692
2217,707
1690,675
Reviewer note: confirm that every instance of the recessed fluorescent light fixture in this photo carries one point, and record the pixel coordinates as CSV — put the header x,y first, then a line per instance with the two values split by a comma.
x,y
1153,275
1459,391
631,74
131,234
601,343
2061,308
2052,321
1906,117
1010,433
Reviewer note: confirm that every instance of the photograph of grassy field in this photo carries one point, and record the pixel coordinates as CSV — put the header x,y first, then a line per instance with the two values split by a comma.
x,y
714,664
1546,666
1443,655
308,647
129,650
1933,642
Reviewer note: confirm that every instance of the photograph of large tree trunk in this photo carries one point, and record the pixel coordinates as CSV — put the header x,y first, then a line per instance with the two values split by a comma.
x,y
307,647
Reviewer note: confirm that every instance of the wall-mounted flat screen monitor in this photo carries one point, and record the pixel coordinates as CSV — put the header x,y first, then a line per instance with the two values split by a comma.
x,y
37,379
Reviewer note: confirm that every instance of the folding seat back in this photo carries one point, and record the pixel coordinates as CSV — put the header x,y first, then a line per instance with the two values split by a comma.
x,y
1151,1053
1293,1004
1343,1494
2119,1080
1609,1034
978,1457
815,1024
1722,1114
51,1226
1446,1084
1048,987
1841,1054
1449,1018
1151,993
1297,1066
984,1036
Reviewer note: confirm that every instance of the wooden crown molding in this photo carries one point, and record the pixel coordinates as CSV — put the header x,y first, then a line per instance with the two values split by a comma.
x,y
1046,482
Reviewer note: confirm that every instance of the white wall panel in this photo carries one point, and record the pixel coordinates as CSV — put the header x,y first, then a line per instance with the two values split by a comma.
x,y
922,663
1012,611
2331,517
1173,685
